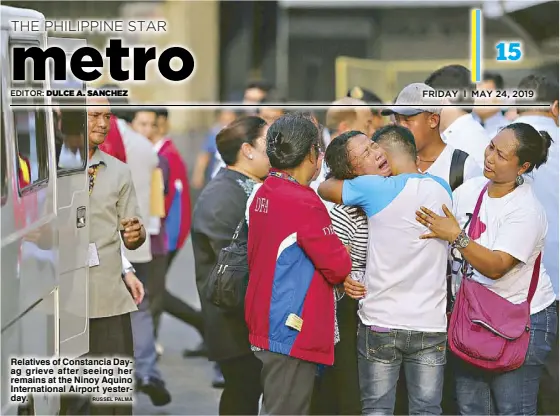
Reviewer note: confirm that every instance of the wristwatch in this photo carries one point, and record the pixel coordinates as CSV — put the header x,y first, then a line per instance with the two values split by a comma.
x,y
462,240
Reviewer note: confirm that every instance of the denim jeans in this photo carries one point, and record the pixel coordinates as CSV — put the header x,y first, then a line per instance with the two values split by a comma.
x,y
380,355
145,356
480,392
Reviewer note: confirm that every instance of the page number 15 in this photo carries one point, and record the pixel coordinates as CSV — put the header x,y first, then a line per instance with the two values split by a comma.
x,y
509,51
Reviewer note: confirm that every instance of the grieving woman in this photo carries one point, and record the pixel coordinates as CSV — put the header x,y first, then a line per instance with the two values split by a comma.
x,y
349,155
497,232
295,259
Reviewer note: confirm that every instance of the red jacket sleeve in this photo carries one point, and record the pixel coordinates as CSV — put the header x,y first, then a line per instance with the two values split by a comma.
x,y
113,144
319,241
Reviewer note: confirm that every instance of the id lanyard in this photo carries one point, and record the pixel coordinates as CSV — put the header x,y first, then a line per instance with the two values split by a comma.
x,y
282,175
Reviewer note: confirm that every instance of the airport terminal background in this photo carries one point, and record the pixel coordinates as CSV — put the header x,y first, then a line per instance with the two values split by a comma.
x,y
307,51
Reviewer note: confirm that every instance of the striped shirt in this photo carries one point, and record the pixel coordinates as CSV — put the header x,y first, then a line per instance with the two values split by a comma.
x,y
351,226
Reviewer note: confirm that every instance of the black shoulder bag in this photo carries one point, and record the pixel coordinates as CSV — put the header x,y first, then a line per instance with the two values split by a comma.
x,y
227,284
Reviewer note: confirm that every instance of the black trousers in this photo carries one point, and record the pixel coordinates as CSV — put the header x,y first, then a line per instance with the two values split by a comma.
x,y
156,287
242,389
171,304
548,389
111,336
337,390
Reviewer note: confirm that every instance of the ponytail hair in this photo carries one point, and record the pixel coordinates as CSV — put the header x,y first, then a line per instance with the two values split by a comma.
x,y
533,145
290,139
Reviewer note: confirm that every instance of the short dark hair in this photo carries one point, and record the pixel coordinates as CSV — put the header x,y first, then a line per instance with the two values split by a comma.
x,y
452,77
365,95
135,111
230,139
290,139
337,157
123,113
162,112
533,145
496,78
273,97
397,136
546,89
259,84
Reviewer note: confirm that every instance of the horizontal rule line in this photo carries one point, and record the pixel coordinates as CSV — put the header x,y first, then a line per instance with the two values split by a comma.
x,y
271,105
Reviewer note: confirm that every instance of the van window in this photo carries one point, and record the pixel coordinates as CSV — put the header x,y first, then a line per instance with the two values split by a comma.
x,y
70,133
70,126
32,156
32,149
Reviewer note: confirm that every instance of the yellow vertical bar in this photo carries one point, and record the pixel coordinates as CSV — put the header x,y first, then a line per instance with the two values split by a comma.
x,y
474,52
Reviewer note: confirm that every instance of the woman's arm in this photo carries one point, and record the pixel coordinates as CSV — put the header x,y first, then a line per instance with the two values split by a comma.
x,y
490,263
493,264
318,240
331,190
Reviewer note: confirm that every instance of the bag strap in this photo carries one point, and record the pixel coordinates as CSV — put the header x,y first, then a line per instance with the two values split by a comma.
x,y
238,229
477,209
457,168
536,268
534,279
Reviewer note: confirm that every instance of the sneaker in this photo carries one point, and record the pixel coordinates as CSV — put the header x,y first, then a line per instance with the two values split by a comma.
x,y
159,349
218,382
156,391
200,351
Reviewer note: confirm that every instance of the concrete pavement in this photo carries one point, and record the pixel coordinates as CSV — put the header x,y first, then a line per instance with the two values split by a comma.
x,y
188,380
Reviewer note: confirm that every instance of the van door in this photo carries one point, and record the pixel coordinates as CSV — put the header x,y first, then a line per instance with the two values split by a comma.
x,y
73,209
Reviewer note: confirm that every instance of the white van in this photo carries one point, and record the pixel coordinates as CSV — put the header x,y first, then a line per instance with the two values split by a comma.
x,y
45,223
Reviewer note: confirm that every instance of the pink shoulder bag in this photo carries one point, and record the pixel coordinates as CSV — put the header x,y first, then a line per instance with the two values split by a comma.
x,y
485,329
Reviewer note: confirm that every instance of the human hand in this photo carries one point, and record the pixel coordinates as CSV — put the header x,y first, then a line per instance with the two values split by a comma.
x,y
354,289
132,230
135,287
444,228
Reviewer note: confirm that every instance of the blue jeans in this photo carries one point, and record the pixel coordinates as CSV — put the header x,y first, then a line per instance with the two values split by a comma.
x,y
481,392
145,355
380,355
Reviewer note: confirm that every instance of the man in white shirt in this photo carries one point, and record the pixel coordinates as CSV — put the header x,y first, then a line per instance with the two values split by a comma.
x,y
434,156
345,115
403,318
142,160
491,118
545,186
457,125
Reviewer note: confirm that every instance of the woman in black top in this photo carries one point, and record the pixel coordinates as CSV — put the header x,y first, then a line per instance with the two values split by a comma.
x,y
218,210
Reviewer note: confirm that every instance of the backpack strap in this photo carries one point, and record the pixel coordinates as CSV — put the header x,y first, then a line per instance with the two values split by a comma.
x,y
457,168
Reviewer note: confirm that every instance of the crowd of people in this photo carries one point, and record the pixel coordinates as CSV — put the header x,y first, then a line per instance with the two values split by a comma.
x,y
401,260
369,244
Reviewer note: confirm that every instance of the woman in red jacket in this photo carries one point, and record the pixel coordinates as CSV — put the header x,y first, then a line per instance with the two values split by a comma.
x,y
295,259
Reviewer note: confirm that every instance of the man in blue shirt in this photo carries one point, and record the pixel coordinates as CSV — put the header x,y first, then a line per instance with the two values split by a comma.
x,y
403,314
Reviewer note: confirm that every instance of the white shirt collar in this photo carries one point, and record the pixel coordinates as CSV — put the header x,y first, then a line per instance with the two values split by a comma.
x,y
160,144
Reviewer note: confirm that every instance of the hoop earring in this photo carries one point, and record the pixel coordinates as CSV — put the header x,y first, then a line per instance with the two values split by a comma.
x,y
519,180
